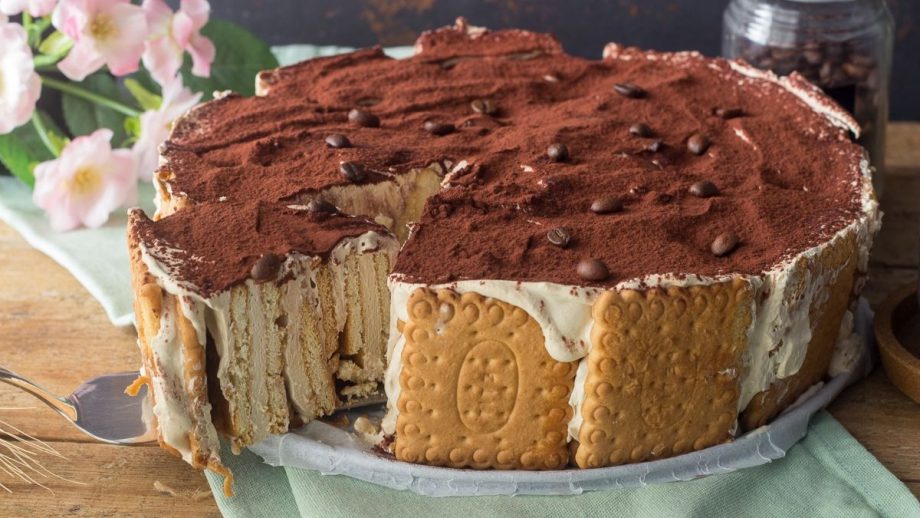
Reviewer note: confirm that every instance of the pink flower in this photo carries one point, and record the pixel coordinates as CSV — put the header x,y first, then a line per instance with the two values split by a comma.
x,y
174,33
105,32
34,7
86,183
156,125
20,86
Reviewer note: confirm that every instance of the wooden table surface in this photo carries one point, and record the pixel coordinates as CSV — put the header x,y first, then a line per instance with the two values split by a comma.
x,y
52,330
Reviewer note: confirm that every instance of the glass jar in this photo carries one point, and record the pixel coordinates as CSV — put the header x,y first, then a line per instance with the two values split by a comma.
x,y
843,46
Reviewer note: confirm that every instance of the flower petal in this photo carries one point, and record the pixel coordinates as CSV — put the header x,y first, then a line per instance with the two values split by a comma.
x,y
203,53
20,86
70,17
158,15
122,53
163,58
198,12
33,7
86,183
82,61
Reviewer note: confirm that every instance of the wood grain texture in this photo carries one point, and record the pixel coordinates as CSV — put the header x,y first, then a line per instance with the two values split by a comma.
x,y
52,330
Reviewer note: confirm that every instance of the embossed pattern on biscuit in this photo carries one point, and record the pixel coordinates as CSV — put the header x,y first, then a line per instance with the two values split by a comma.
x,y
664,372
478,388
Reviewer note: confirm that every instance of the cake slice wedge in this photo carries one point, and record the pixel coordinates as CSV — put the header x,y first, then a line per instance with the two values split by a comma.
x,y
255,317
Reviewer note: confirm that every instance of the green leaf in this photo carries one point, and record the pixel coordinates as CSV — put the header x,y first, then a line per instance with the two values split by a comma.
x,y
33,32
58,141
240,56
56,44
22,149
83,117
147,99
133,128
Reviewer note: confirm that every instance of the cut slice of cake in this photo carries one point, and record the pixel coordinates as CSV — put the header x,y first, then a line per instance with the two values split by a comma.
x,y
254,316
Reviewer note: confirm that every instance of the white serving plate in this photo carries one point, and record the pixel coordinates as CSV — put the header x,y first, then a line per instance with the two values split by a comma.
x,y
333,450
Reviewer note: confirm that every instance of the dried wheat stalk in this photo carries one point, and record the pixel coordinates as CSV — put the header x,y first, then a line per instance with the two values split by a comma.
x,y
20,455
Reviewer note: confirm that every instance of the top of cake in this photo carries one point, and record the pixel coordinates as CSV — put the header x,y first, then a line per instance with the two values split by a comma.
x,y
213,246
647,163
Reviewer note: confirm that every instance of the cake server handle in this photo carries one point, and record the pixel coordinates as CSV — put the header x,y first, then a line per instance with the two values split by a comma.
x,y
99,407
59,404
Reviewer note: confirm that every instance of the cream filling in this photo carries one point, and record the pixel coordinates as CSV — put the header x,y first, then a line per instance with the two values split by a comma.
x,y
213,315
174,420
576,399
848,349
393,203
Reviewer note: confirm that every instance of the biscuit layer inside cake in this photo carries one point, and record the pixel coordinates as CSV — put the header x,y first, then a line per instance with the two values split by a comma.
x,y
309,342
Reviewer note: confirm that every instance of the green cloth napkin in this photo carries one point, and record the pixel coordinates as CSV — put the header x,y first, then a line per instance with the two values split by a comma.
x,y
97,258
826,474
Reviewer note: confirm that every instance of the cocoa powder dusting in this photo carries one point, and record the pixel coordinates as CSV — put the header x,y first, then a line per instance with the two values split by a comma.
x,y
214,246
787,178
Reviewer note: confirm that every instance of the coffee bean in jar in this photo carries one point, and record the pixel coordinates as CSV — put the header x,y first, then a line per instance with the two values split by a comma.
x,y
843,46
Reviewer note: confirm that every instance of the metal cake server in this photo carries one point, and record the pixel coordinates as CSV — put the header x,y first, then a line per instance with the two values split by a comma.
x,y
99,407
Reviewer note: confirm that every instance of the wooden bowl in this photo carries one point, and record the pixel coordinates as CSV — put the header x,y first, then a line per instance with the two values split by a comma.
x,y
897,331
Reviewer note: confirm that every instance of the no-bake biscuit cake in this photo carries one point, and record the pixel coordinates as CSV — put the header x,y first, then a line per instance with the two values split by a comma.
x,y
602,261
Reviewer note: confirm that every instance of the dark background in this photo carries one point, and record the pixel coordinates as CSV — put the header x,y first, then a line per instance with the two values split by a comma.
x,y
583,26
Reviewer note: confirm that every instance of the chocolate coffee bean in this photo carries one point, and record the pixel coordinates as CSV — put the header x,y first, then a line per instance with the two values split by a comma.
x,y
606,205
641,129
724,244
704,189
557,152
559,236
698,143
638,190
855,70
484,106
655,145
337,140
629,90
353,172
592,270
318,205
266,268
812,56
439,128
363,118
729,113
